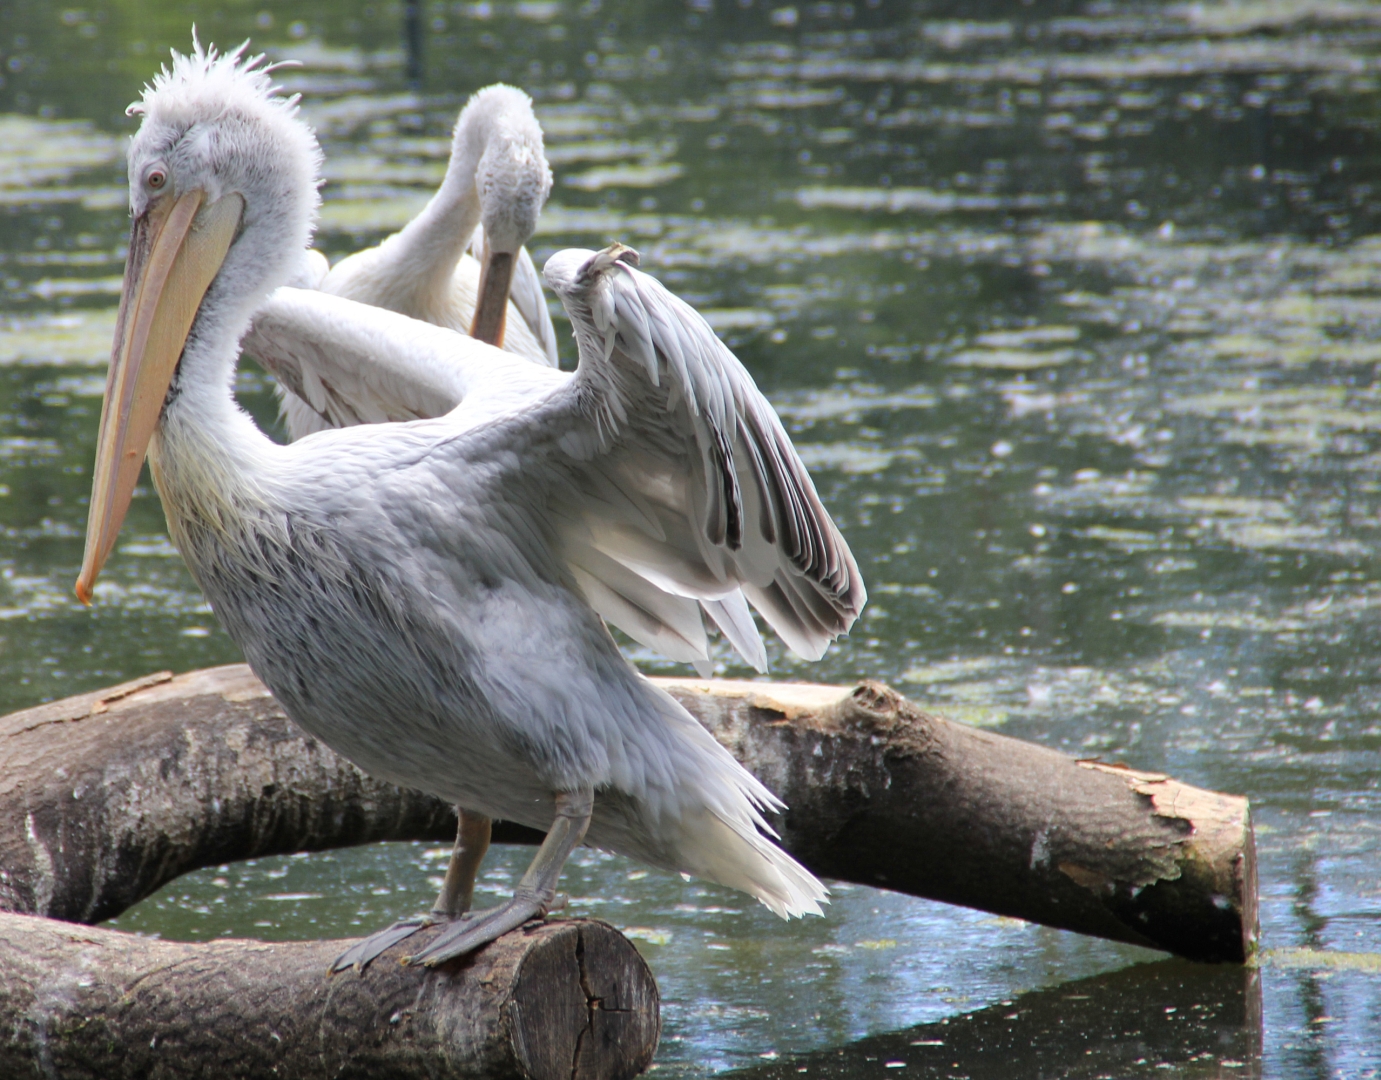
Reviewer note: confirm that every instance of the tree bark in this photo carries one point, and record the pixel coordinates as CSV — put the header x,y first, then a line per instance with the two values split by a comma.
x,y
881,793
107,796
569,999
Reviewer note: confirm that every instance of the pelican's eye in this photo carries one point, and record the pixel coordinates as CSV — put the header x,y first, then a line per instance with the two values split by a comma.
x,y
155,179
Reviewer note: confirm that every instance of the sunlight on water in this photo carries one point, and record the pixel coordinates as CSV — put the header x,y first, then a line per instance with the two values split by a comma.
x,y
1074,316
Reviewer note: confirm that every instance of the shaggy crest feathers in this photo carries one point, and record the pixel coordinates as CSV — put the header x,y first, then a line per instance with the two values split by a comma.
x,y
206,84
206,87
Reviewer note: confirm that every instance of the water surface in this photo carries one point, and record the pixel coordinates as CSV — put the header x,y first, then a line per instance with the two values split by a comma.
x,y
1072,309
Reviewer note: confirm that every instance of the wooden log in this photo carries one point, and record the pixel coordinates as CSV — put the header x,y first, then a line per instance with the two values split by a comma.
x,y
560,1000
881,793
107,796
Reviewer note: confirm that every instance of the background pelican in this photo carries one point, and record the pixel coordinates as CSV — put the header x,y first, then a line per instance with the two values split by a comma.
x,y
495,185
404,589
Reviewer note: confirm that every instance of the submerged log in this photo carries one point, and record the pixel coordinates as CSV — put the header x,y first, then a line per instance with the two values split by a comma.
x,y
565,1000
107,796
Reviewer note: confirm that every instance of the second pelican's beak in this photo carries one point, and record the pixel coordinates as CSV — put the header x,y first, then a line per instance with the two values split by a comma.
x,y
491,307
176,248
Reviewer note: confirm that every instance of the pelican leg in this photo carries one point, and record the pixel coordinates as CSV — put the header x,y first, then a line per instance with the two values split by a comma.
x,y
535,894
457,891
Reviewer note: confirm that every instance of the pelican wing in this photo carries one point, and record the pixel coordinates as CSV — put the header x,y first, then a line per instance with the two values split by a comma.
x,y
354,364
347,363
676,470
664,477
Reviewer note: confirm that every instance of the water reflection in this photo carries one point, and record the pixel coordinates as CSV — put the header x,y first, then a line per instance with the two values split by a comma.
x,y
1165,1019
1072,308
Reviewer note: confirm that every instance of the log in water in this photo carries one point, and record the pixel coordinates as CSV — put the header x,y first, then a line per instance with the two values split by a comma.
x,y
107,796
881,793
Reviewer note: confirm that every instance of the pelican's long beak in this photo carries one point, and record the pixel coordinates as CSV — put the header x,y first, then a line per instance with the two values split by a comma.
x,y
175,251
491,308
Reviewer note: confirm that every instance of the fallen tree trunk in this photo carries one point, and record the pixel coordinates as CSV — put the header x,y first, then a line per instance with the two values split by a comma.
x,y
107,796
565,1000
881,793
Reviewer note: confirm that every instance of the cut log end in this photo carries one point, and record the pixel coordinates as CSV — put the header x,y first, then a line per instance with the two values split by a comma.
x,y
584,1005
1205,907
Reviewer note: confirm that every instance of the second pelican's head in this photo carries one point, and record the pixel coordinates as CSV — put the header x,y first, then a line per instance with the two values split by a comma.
x,y
223,193
498,131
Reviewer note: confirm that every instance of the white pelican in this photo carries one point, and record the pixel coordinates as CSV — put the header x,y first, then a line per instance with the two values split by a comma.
x,y
496,183
498,173
406,590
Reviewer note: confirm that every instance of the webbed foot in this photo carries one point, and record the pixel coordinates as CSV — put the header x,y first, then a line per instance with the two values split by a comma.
x,y
480,929
363,952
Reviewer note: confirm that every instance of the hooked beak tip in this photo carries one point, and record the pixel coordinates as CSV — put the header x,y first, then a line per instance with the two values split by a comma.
x,y
83,591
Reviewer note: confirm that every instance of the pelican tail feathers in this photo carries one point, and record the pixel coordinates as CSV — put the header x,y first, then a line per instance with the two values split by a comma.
x,y
710,823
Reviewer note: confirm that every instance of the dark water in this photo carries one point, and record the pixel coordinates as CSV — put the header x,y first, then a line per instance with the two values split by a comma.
x,y
1073,309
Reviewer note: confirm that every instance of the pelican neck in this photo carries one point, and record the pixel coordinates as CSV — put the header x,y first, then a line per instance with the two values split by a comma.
x,y
429,246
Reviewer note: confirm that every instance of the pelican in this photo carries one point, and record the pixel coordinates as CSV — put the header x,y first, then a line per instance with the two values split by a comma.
x,y
496,182
499,173
406,591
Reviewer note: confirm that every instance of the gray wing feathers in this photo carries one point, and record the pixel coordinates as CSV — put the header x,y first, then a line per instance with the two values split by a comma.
x,y
354,365
735,622
344,363
670,624
677,482
688,439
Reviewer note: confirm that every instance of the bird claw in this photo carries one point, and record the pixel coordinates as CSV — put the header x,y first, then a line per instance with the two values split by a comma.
x,y
363,952
465,937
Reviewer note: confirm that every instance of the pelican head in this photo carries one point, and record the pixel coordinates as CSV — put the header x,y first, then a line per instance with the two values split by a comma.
x,y
223,194
512,177
497,130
